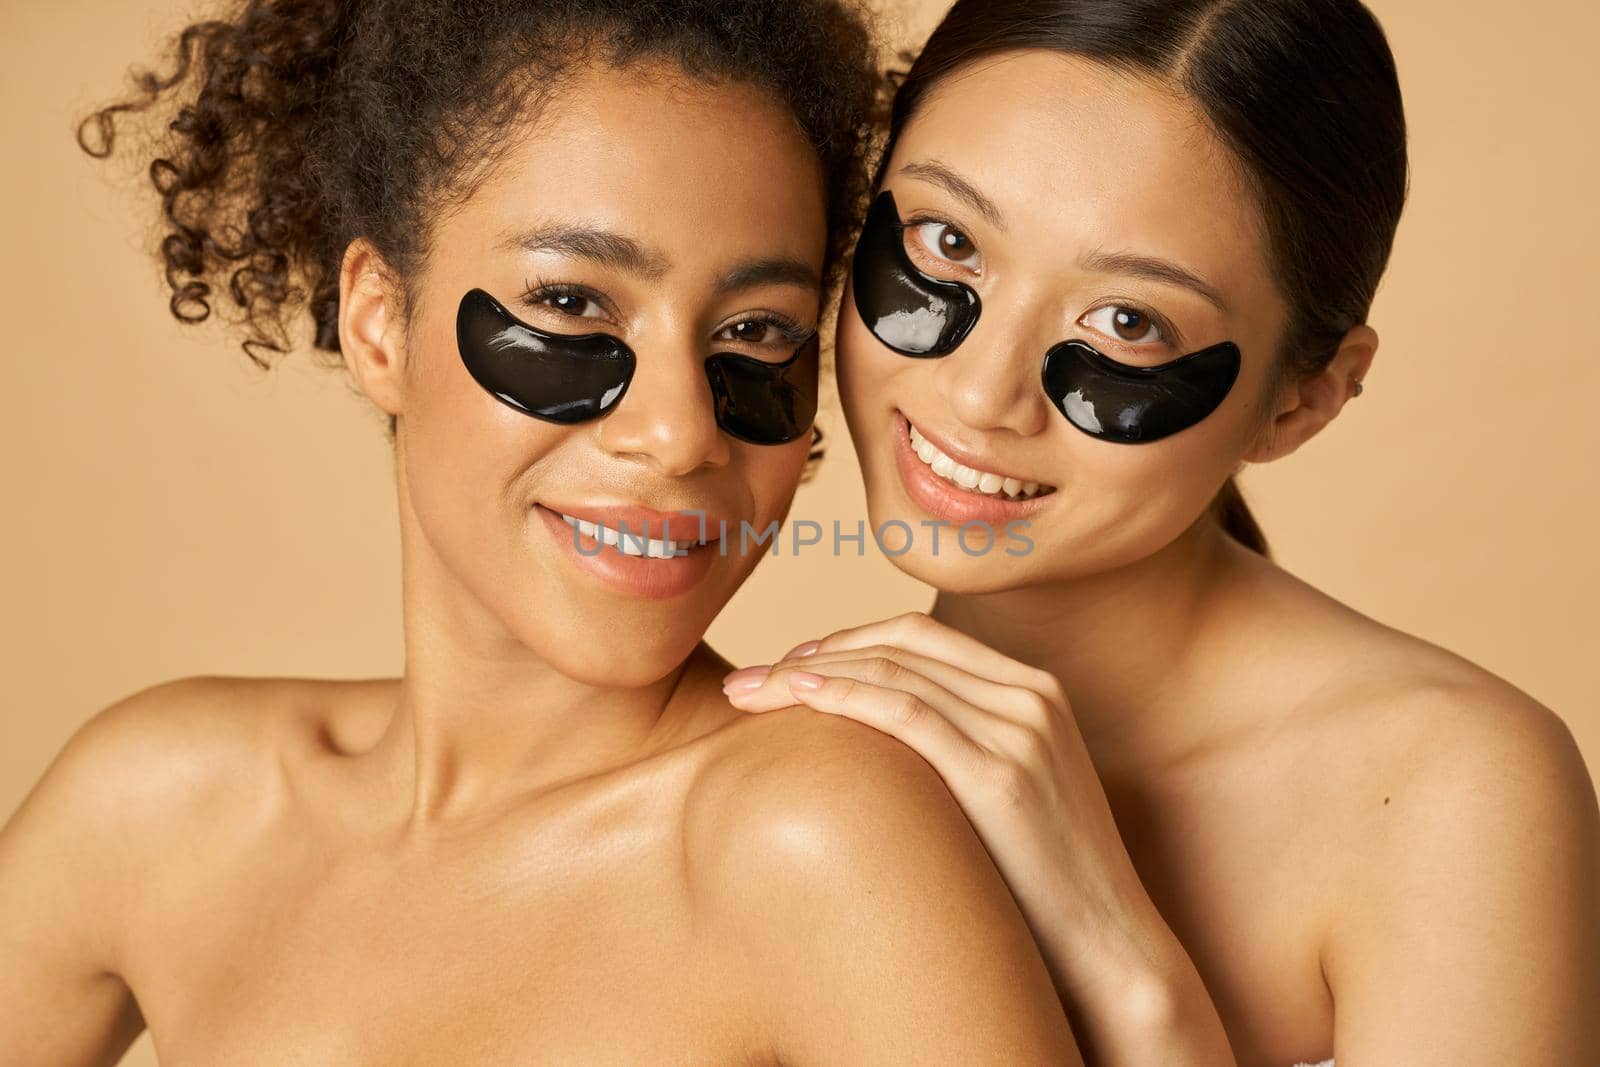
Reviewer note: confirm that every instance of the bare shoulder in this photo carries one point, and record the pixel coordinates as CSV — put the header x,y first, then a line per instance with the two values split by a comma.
x,y
801,792
1397,709
186,750
114,806
1466,753
835,856
1466,859
1449,736
1444,819
1467,785
157,743
136,799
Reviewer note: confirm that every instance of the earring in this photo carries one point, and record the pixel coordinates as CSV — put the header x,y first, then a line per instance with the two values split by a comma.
x,y
1359,387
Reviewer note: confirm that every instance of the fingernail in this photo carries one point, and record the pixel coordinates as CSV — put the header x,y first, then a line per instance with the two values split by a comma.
x,y
803,650
805,680
746,678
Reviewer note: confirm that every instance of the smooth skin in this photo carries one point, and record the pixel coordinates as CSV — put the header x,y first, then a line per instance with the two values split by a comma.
x,y
552,840
1246,824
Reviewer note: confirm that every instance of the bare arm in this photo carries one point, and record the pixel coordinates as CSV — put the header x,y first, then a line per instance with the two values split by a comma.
x,y
1472,934
875,926
1004,742
63,869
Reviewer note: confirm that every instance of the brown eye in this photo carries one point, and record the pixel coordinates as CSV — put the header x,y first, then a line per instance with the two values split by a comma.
x,y
944,241
954,244
751,331
1129,324
566,300
1126,324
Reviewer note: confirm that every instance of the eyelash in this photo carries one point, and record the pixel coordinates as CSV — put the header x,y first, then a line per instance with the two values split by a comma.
x,y
924,218
792,332
538,291
1169,333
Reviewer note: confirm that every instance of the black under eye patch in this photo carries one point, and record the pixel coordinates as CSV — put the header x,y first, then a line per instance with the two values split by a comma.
x,y
1135,405
568,379
765,403
913,313
551,376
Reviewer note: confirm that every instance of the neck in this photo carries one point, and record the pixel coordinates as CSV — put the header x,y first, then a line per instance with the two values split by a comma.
x,y
482,720
1121,642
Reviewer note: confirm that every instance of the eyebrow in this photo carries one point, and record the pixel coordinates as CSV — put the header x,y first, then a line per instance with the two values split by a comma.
x,y
940,174
1160,270
618,251
775,271
604,247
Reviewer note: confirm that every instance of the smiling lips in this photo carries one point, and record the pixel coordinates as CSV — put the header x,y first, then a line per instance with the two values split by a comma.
x,y
955,489
632,528
970,478
637,551
630,543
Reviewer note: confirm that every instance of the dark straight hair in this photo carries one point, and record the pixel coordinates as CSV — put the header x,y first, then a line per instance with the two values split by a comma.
x,y
1303,91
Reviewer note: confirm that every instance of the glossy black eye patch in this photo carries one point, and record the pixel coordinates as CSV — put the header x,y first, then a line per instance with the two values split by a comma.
x,y
1135,405
765,403
913,313
568,378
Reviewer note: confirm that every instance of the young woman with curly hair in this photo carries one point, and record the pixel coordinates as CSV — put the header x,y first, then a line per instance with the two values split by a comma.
x,y
552,839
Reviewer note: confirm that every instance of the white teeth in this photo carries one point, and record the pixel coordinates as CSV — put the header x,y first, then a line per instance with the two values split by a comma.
x,y
630,543
966,477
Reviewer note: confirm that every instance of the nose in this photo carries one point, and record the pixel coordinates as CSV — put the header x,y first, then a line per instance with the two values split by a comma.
x,y
666,417
992,381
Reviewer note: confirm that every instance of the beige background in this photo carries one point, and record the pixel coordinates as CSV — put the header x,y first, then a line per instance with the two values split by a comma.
x,y
169,510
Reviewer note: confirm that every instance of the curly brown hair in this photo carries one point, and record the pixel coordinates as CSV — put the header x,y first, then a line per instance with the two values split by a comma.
x,y
296,126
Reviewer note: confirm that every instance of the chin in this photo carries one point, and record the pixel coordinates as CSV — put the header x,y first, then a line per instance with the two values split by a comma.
x,y
953,571
1019,561
963,576
616,661
602,672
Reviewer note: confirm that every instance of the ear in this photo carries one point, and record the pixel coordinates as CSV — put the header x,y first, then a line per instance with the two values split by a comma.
x,y
1308,405
369,326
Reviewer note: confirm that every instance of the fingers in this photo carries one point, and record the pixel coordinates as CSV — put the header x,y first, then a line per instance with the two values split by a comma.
x,y
899,713
766,689
920,633
1004,700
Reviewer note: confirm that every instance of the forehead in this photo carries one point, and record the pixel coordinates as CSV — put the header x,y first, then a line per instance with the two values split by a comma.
x,y
689,167
1075,151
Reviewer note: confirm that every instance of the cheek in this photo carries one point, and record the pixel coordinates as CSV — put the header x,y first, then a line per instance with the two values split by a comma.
x,y
1123,502
463,452
771,475
1251,407
1174,477
864,369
